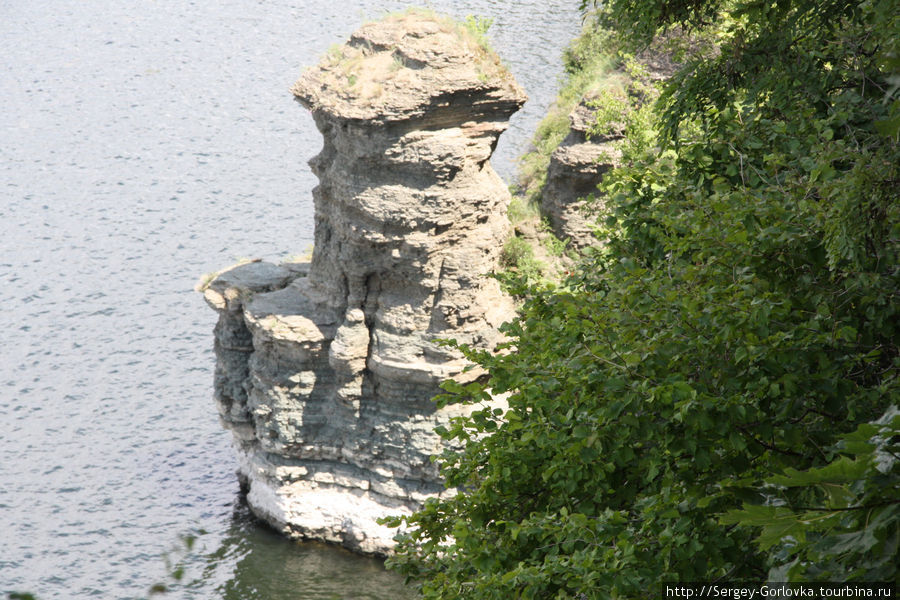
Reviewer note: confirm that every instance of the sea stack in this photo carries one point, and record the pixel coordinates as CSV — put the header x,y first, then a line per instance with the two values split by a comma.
x,y
326,372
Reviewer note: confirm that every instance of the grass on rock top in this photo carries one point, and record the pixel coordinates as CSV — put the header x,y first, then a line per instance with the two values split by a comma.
x,y
363,72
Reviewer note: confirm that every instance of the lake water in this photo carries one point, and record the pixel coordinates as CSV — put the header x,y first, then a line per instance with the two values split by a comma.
x,y
143,144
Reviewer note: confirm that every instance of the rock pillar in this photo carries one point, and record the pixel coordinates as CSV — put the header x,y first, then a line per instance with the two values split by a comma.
x,y
326,377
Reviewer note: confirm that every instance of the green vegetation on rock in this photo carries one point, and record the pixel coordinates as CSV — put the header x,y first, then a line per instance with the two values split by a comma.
x,y
727,362
518,254
368,76
589,61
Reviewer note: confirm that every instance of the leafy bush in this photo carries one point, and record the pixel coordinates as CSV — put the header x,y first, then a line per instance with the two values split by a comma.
x,y
741,317
519,255
838,522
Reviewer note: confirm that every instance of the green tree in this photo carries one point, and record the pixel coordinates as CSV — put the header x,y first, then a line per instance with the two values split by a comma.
x,y
739,317
845,522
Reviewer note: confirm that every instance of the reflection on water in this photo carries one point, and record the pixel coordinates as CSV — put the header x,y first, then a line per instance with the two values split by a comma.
x,y
260,564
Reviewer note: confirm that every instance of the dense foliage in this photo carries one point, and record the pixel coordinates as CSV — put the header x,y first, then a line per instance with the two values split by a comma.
x,y
682,393
851,530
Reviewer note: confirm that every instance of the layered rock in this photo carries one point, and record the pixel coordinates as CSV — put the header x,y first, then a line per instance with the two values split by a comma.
x,y
580,162
577,167
326,373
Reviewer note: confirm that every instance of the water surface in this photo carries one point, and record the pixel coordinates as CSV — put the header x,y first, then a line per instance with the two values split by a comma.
x,y
143,144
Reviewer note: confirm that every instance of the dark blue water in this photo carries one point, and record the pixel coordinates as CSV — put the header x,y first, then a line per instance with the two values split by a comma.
x,y
143,144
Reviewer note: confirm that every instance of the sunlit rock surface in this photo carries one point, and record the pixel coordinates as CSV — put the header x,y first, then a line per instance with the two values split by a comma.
x,y
580,162
326,371
576,169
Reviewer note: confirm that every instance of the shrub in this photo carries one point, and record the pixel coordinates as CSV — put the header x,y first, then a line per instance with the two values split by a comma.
x,y
741,319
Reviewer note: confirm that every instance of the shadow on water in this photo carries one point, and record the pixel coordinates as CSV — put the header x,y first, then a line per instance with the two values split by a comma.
x,y
253,562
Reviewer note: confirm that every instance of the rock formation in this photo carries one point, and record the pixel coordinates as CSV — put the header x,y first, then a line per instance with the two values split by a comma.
x,y
576,169
579,163
326,372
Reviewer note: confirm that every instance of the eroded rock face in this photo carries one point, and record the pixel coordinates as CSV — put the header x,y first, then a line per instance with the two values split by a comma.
x,y
577,167
580,162
326,374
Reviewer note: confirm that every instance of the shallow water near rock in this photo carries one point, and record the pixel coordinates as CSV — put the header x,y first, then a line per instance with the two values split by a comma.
x,y
142,145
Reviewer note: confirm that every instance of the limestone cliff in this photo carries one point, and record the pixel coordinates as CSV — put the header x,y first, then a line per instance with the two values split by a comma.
x,y
326,372
580,162
576,169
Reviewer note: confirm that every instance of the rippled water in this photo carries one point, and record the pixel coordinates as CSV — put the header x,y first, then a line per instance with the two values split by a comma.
x,y
141,145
